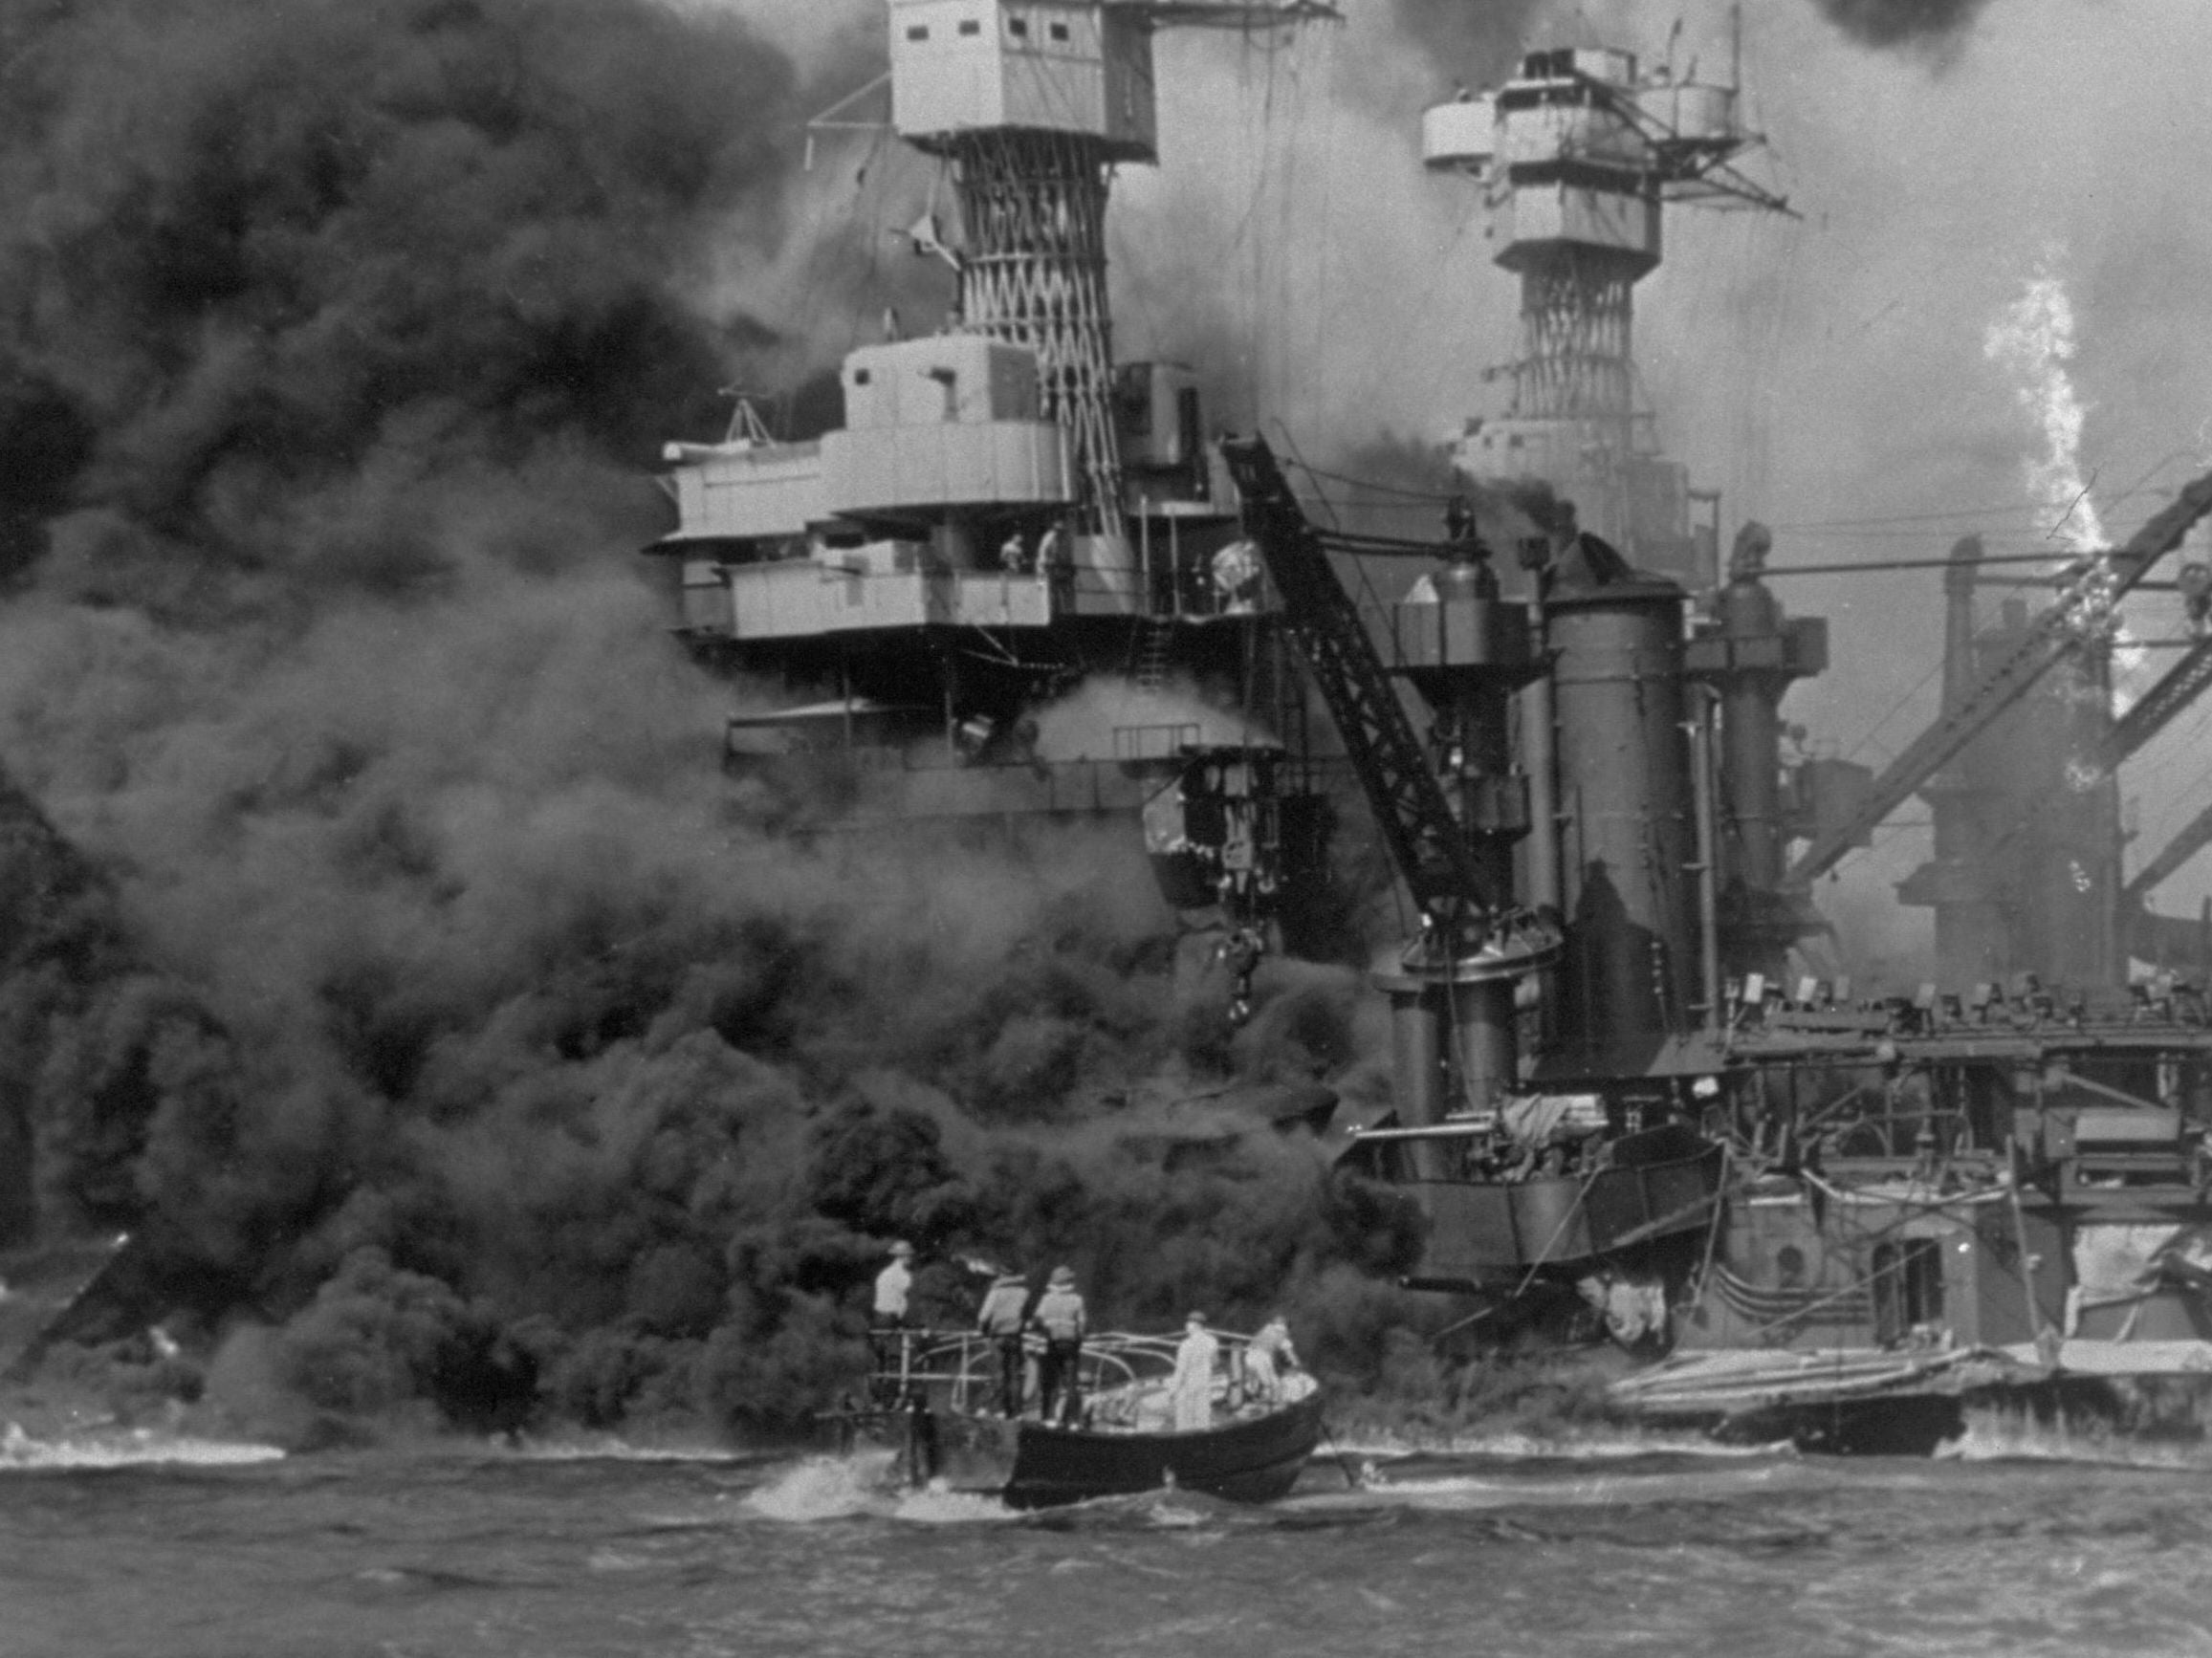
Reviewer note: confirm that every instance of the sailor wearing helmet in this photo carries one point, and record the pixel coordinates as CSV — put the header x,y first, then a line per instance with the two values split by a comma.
x,y
1002,1320
891,1286
888,1322
1267,1356
1059,1314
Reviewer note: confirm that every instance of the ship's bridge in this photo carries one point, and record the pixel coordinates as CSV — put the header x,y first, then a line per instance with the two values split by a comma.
x,y
904,517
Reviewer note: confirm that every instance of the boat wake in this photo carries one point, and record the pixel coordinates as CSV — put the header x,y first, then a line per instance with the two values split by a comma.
x,y
1623,1446
1447,1483
606,1448
866,1483
125,1447
1163,1510
1994,1435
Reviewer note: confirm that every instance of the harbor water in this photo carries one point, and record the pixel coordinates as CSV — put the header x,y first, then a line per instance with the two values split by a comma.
x,y
143,1545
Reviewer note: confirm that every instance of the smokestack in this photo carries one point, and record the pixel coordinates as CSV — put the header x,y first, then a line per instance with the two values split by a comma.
x,y
1960,574
1973,944
1750,654
1628,830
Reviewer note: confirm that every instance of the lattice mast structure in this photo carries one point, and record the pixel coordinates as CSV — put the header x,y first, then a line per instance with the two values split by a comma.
x,y
1034,104
1578,154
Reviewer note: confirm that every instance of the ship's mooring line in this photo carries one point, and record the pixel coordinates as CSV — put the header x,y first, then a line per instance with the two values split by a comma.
x,y
1719,1210
1558,1231
1351,1479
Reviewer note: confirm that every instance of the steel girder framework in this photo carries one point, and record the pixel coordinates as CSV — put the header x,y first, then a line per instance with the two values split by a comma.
x,y
1426,841
1034,273
2081,611
1576,318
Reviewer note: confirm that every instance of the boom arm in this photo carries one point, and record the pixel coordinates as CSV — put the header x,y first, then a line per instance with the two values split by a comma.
x,y
2056,634
2176,688
2193,838
1407,801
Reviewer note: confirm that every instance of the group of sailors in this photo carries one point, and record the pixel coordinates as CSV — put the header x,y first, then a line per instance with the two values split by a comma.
x,y
1008,1318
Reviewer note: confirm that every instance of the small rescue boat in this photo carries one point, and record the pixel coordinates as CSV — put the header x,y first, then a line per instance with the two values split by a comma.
x,y
934,1399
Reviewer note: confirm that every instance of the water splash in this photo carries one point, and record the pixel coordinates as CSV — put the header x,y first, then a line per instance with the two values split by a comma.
x,y
820,1488
940,1505
2002,1433
125,1447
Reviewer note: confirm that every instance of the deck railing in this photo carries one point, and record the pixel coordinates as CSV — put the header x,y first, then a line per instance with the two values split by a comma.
x,y
958,1369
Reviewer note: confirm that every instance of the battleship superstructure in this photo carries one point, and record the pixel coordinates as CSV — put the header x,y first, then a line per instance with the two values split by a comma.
x,y
1629,1069
1578,154
1007,512
1846,1212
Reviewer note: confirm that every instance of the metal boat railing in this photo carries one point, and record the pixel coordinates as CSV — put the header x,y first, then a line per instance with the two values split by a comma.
x,y
958,1369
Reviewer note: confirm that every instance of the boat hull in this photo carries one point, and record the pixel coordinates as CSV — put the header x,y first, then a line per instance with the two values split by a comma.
x,y
1250,1461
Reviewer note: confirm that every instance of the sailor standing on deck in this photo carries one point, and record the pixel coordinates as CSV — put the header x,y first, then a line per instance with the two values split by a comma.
x,y
1001,1318
1060,1315
1191,1387
891,1286
887,1318
1266,1356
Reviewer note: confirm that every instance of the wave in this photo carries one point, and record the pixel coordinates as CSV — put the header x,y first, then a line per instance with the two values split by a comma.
x,y
1994,1433
1596,1445
611,1448
867,1483
126,1447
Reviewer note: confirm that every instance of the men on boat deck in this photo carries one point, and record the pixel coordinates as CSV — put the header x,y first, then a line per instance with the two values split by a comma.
x,y
887,1318
1001,1317
1266,1356
892,1284
1192,1386
1060,1316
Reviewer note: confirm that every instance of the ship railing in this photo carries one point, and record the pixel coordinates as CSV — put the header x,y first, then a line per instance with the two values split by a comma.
x,y
958,1369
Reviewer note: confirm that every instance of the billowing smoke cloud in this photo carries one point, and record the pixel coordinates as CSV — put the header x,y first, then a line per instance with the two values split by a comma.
x,y
1902,23
428,993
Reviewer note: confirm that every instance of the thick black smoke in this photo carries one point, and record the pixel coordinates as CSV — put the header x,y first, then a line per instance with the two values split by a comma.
x,y
1911,24
431,997
281,273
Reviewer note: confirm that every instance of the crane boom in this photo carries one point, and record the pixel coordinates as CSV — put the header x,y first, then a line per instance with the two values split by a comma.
x,y
2194,838
2176,688
2082,605
1408,802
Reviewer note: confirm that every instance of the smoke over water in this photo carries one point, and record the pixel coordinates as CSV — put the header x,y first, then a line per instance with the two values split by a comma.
x,y
1902,23
427,995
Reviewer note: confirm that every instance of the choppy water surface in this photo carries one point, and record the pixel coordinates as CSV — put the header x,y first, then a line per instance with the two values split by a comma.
x,y
152,1548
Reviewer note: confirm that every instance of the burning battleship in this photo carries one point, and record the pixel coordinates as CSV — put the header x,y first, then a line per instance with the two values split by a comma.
x,y
454,979
1630,1069
1845,1215
1007,512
